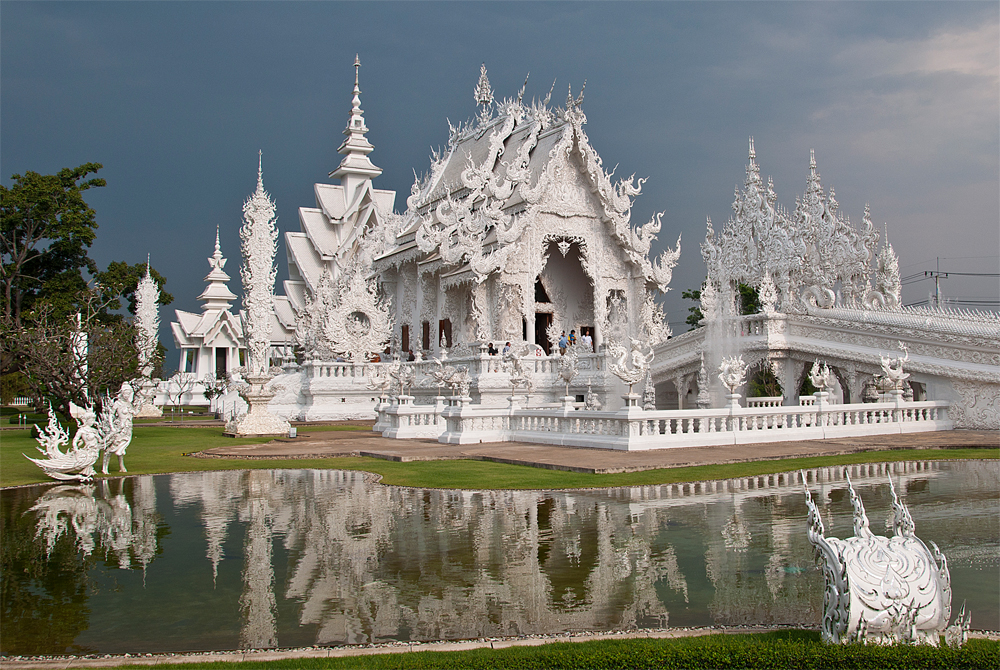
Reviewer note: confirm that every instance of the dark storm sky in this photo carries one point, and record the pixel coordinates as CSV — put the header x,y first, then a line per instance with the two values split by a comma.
x,y
899,100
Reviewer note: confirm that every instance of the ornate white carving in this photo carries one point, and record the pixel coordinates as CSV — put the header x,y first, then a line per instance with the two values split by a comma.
x,y
569,366
259,238
821,376
893,367
806,256
115,425
360,323
259,243
147,322
632,371
77,463
978,407
733,372
881,589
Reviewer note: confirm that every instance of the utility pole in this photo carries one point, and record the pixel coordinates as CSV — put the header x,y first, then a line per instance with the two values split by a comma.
x,y
938,276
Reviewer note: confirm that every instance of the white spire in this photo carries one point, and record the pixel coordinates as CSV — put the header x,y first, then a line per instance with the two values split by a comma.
x,y
217,294
483,94
356,147
147,320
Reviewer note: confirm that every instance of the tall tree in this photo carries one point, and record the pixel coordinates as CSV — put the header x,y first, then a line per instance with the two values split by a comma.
x,y
47,228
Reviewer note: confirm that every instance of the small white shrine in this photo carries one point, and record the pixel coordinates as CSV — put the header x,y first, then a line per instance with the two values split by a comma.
x,y
210,343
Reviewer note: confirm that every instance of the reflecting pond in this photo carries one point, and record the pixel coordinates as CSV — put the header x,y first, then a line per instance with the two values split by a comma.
x,y
264,558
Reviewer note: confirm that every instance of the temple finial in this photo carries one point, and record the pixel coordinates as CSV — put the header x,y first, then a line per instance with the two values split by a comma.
x,y
357,65
753,154
483,93
218,249
260,172
812,161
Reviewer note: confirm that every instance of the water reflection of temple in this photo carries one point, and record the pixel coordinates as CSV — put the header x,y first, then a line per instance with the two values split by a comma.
x,y
368,562
100,517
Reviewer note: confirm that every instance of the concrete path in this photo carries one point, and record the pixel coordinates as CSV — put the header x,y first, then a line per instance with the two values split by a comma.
x,y
326,444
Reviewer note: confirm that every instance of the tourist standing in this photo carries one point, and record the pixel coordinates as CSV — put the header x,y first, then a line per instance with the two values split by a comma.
x,y
563,343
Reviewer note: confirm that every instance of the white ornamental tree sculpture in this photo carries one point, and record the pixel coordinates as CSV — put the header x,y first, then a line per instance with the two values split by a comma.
x,y
259,238
147,328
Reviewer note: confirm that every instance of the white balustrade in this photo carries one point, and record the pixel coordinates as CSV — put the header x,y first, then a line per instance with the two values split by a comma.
x,y
765,401
634,429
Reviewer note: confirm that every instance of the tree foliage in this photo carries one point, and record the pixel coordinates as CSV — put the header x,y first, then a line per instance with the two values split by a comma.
x,y
47,228
694,316
75,358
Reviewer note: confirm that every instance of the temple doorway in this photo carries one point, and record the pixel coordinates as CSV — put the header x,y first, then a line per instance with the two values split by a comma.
x,y
542,322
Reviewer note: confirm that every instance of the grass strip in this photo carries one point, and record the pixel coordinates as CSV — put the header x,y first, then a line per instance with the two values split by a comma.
x,y
784,649
162,449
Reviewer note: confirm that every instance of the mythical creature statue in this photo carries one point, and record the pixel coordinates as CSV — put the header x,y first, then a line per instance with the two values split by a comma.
x,y
893,367
519,376
881,589
821,376
402,376
569,366
640,355
732,373
115,425
77,463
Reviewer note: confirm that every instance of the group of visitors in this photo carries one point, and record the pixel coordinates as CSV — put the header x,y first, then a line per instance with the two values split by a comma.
x,y
492,351
565,342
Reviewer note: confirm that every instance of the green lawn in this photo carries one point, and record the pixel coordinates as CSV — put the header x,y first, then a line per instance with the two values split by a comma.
x,y
785,649
161,449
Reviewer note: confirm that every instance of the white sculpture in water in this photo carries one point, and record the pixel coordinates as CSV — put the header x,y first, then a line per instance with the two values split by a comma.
x,y
77,463
882,589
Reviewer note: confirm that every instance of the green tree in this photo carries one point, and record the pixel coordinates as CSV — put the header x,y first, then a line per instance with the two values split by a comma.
x,y
749,300
694,316
47,228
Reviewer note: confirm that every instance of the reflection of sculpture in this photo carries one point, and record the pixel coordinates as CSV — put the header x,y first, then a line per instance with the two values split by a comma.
x,y
78,461
111,524
893,367
732,373
882,589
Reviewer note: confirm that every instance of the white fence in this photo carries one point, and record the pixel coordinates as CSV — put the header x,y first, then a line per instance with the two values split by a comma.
x,y
631,428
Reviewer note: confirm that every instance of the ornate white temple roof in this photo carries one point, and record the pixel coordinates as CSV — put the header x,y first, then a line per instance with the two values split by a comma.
x,y
329,232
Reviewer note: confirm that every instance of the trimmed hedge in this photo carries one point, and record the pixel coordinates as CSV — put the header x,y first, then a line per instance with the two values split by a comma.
x,y
786,649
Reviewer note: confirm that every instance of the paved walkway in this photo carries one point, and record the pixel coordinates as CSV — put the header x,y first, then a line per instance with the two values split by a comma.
x,y
325,444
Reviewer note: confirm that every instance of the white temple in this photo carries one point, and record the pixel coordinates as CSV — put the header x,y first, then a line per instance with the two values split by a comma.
x,y
516,235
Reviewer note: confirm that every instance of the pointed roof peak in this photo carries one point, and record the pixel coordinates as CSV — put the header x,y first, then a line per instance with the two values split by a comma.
x,y
217,294
753,154
260,173
356,147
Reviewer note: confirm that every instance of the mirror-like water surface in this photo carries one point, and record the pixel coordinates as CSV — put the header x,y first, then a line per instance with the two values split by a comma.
x,y
225,560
